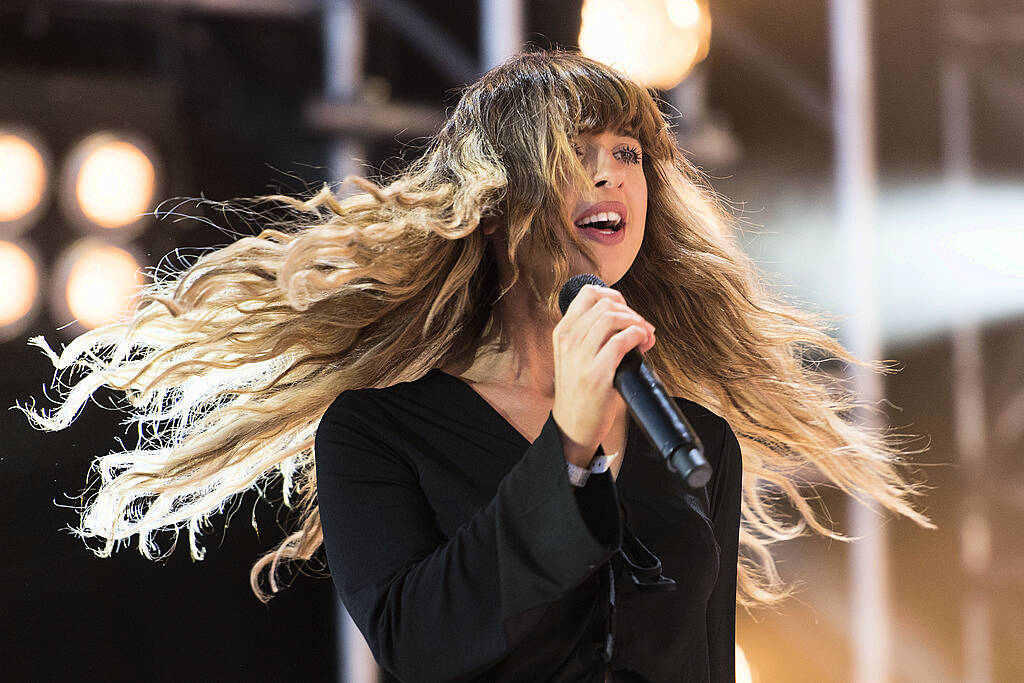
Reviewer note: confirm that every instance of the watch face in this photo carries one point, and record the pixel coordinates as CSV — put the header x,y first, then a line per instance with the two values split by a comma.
x,y
602,463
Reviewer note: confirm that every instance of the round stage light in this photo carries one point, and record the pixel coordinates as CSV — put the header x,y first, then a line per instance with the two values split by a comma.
x,y
19,281
683,13
115,184
98,283
656,42
109,183
23,178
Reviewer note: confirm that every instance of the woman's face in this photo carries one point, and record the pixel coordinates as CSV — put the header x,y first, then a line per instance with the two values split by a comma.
x,y
612,212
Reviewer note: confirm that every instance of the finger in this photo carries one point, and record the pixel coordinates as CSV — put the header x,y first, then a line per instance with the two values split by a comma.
x,y
606,325
618,346
649,344
575,328
584,315
565,329
589,295
617,299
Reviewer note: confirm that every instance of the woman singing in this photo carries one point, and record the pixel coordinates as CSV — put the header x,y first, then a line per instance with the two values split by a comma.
x,y
488,509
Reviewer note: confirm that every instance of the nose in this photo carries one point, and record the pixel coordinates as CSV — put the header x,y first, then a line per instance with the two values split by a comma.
x,y
606,173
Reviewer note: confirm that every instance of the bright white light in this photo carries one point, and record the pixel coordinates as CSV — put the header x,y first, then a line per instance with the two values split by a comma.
x,y
115,184
943,259
656,42
22,177
743,672
19,282
999,250
101,282
109,182
683,13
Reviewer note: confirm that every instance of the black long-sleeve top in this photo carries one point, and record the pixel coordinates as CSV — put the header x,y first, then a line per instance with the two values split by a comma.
x,y
463,553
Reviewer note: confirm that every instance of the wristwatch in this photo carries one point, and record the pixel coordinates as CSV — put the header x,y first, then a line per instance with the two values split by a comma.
x,y
578,475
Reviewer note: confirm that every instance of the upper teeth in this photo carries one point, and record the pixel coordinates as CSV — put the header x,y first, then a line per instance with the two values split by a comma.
x,y
603,217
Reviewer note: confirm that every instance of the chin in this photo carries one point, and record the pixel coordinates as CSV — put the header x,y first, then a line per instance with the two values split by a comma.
x,y
612,276
610,273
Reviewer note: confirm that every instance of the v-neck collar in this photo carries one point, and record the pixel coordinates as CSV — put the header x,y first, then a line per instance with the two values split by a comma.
x,y
491,410
631,431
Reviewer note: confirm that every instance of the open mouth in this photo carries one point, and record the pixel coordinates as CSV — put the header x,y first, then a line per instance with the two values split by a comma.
x,y
607,222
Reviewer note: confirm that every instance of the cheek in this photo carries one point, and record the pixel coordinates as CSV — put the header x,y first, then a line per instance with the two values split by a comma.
x,y
638,198
571,201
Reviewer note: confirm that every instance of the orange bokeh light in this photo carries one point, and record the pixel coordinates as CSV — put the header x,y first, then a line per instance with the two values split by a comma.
x,y
22,177
19,281
115,182
656,42
102,282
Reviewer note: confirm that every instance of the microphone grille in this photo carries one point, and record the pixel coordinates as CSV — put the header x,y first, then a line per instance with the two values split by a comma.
x,y
573,286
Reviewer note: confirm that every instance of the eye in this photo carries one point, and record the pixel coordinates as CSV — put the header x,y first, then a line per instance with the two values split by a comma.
x,y
578,150
630,155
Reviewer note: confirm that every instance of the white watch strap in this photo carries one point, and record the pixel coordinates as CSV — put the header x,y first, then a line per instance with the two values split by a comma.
x,y
578,475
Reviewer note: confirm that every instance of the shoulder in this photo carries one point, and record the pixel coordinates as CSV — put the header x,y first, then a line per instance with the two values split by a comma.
x,y
353,407
385,412
373,404
359,402
356,437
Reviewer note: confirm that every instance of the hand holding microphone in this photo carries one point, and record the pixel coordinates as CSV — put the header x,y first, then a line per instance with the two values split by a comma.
x,y
595,332
597,362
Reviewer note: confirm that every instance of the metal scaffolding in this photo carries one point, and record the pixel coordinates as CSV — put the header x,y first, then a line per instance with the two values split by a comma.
x,y
968,396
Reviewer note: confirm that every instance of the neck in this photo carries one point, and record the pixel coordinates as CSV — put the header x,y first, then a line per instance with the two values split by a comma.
x,y
527,361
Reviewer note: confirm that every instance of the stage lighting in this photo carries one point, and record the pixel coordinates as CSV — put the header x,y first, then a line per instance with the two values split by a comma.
x,y
743,671
683,13
19,282
97,283
108,182
24,169
656,42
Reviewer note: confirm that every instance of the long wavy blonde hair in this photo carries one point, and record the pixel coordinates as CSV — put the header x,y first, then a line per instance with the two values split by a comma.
x,y
227,366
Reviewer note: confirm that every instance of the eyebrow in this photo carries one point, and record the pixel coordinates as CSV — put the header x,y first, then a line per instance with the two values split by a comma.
x,y
620,132
616,133
628,134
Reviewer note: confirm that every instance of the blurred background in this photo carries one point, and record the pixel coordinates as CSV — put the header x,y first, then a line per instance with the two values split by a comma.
x,y
873,154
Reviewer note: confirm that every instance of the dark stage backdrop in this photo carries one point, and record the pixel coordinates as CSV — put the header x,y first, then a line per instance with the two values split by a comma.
x,y
70,615
226,119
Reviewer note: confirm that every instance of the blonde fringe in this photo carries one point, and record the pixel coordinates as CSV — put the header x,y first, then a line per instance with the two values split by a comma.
x,y
227,366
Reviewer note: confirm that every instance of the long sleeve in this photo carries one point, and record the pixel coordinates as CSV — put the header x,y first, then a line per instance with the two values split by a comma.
x,y
437,608
725,493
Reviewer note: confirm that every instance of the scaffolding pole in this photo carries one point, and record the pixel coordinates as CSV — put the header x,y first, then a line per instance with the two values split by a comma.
x,y
855,188
968,394
344,29
501,30
501,34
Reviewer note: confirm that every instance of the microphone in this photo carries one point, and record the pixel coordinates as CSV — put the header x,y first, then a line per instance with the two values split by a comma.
x,y
664,425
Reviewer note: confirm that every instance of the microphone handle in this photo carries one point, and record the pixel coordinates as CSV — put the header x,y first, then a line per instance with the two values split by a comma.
x,y
664,425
